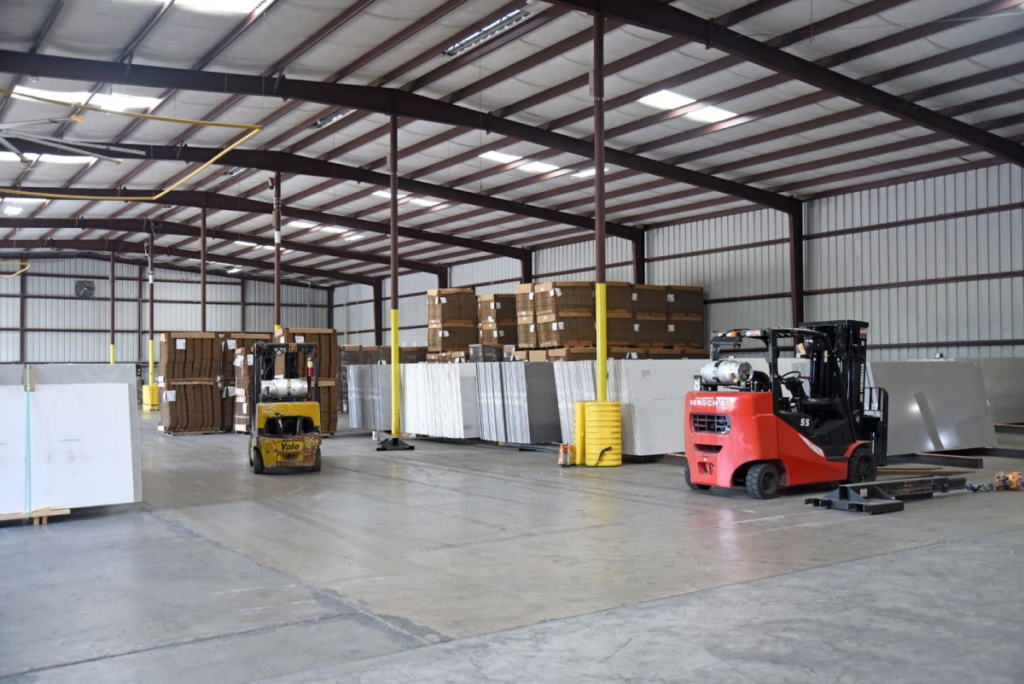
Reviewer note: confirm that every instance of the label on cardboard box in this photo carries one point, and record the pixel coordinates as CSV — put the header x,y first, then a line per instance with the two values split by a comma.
x,y
634,296
671,327
238,361
171,395
232,344
671,297
179,343
300,339
557,292
531,296
636,327
533,328
248,359
443,300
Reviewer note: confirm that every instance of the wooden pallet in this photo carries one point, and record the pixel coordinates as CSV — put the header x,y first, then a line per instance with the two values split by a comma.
x,y
191,433
42,514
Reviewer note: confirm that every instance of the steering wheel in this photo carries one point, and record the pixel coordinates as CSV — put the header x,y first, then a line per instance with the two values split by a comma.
x,y
794,383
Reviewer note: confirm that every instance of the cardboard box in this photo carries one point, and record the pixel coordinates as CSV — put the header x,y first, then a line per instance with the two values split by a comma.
x,y
326,341
651,331
524,300
451,305
684,300
619,298
620,329
451,337
526,334
538,355
650,300
564,297
577,331
572,354
190,406
328,407
188,356
500,336
230,342
686,331
496,309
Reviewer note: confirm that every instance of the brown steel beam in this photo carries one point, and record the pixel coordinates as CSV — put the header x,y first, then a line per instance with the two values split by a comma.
x,y
161,228
639,261
384,100
673,21
378,311
284,162
113,305
276,182
125,247
796,265
191,198
202,273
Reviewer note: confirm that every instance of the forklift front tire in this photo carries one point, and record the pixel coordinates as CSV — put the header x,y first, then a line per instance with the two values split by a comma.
x,y
316,462
690,484
257,462
763,481
863,466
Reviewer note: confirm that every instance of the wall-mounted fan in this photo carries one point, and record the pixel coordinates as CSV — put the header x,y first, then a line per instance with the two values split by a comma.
x,y
85,288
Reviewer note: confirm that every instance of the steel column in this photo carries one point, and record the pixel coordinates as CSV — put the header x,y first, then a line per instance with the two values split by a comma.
x,y
526,267
600,288
277,251
241,301
202,272
378,311
640,260
22,291
149,259
396,390
330,308
796,264
113,287
443,277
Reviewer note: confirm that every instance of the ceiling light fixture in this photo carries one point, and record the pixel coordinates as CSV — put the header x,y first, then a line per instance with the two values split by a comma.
x,y
233,171
538,167
47,158
354,236
332,229
332,118
588,173
243,243
710,115
236,269
500,157
665,99
386,194
214,6
424,202
298,223
115,102
487,32
11,210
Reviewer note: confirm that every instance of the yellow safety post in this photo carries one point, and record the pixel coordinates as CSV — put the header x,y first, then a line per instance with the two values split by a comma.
x,y
111,353
601,306
396,378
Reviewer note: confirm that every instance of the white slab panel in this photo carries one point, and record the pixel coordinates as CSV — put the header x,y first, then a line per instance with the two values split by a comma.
x,y
13,461
81,456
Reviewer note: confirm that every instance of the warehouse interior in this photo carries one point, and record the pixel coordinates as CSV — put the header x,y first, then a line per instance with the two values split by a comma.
x,y
526,341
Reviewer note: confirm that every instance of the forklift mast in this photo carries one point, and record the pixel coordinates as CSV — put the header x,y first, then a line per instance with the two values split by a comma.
x,y
848,340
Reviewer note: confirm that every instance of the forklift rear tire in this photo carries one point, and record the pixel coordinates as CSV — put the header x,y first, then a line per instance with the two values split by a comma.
x,y
863,466
763,481
316,462
257,462
690,484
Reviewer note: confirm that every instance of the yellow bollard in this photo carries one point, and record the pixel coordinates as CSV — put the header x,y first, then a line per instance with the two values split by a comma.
x,y
602,433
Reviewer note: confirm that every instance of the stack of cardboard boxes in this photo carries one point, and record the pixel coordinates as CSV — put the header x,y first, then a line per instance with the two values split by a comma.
x,y
190,393
526,317
451,320
565,314
686,316
496,319
236,351
326,341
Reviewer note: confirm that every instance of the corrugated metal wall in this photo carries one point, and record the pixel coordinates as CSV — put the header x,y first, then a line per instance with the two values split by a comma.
x,y
931,278
64,328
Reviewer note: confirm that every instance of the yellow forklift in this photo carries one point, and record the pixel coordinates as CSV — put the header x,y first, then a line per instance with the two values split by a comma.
x,y
284,417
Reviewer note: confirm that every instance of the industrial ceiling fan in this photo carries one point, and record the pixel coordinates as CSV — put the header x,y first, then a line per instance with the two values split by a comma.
x,y
14,132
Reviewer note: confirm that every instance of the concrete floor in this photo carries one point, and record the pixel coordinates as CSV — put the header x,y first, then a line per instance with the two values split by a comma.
x,y
475,564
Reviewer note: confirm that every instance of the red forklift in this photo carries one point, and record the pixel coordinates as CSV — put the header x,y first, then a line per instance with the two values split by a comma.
x,y
815,424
